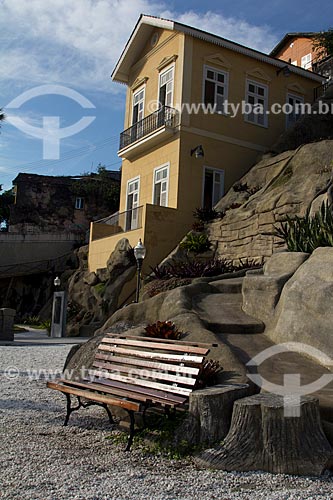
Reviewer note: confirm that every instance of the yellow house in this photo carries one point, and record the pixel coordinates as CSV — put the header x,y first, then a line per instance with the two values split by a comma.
x,y
200,109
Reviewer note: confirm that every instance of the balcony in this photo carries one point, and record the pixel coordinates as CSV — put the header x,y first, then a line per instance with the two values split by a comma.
x,y
148,132
120,222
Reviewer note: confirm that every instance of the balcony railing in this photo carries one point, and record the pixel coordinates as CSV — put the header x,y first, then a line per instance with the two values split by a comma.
x,y
163,117
124,221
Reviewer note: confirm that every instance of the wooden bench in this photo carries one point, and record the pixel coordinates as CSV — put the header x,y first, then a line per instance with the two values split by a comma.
x,y
136,373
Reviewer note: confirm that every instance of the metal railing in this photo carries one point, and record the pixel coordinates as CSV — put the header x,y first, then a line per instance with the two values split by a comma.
x,y
124,221
163,117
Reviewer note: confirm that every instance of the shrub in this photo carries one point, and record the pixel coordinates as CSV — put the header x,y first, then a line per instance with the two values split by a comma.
x,y
163,330
208,374
157,286
196,243
206,214
305,234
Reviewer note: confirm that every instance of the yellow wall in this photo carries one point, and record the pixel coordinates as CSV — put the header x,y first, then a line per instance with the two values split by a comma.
x,y
162,230
241,67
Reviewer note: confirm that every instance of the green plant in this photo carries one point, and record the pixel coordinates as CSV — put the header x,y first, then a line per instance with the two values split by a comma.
x,y
205,214
196,243
163,330
323,43
208,374
100,288
305,234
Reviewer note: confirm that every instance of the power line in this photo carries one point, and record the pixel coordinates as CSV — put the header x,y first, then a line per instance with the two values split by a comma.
x,y
75,153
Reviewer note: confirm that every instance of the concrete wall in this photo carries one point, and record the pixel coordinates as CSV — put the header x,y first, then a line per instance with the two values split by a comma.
x,y
18,249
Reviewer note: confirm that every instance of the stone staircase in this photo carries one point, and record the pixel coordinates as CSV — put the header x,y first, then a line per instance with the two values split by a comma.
x,y
222,313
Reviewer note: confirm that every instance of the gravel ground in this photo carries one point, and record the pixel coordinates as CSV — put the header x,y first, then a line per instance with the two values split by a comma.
x,y
40,459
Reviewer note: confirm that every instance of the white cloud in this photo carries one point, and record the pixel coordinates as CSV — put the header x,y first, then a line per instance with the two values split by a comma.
x,y
77,42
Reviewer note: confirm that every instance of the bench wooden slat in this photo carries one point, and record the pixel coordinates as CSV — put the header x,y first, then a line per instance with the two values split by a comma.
x,y
189,370
129,405
145,374
179,358
145,383
103,387
156,345
165,341
149,392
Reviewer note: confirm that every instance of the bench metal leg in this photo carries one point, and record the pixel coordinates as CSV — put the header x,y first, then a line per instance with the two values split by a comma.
x,y
70,409
132,430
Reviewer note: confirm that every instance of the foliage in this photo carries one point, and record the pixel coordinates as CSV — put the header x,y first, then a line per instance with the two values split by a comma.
x,y
157,286
208,374
37,322
163,330
192,268
100,288
196,243
323,43
7,199
240,187
2,116
206,214
104,190
305,234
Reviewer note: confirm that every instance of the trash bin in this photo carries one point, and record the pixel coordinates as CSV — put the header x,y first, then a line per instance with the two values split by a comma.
x,y
7,317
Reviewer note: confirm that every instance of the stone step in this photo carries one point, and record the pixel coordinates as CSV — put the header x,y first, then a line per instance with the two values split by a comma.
x,y
231,285
223,314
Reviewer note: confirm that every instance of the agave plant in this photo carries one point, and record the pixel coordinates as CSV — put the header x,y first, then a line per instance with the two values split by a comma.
x,y
196,243
305,234
163,330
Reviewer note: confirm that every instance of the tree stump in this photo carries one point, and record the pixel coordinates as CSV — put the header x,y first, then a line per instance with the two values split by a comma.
x,y
262,438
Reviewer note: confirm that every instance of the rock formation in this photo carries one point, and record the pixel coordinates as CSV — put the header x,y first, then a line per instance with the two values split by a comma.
x,y
286,184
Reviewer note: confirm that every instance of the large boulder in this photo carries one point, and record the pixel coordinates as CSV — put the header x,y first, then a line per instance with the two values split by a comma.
x,y
93,297
261,290
304,312
275,187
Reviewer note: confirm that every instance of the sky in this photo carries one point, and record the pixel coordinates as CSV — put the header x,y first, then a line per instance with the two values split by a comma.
x,y
56,59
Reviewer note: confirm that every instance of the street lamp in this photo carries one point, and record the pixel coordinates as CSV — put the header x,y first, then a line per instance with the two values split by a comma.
x,y
56,282
139,254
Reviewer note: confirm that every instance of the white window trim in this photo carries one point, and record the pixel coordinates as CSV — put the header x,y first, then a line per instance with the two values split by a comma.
x,y
137,178
134,92
307,61
160,73
255,82
165,165
214,169
226,85
293,96
81,203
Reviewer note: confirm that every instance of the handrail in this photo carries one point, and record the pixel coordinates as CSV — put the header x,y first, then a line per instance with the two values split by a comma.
x,y
163,117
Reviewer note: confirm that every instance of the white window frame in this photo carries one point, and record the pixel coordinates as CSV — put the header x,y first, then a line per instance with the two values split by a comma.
x,y
306,61
160,74
134,179
214,170
225,85
79,203
294,63
137,91
247,119
292,118
161,167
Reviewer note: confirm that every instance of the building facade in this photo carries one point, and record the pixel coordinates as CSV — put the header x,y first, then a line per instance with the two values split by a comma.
x,y
59,204
188,131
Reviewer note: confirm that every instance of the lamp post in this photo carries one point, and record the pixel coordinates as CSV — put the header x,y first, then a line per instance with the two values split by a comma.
x,y
139,254
58,324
